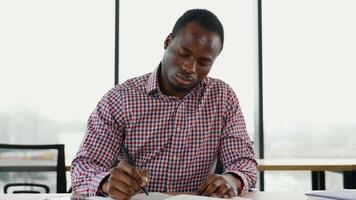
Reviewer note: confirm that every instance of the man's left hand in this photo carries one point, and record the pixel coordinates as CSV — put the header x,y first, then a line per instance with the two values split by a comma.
x,y
223,186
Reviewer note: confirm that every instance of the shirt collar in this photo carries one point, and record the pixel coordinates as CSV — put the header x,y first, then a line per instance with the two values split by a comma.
x,y
152,81
152,85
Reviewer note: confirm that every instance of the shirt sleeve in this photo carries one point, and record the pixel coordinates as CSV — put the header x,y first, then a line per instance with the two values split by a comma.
x,y
100,146
236,151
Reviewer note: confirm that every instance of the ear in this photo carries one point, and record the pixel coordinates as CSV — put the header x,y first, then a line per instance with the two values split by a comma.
x,y
168,41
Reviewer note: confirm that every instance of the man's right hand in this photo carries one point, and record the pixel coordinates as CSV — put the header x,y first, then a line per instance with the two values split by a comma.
x,y
124,181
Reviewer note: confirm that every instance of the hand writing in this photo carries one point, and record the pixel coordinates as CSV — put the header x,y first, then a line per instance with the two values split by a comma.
x,y
124,181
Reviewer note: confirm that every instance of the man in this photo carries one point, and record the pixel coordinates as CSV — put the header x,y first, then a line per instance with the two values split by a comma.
x,y
175,122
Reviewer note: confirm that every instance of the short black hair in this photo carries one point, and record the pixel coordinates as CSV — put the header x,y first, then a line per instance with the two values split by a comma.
x,y
203,17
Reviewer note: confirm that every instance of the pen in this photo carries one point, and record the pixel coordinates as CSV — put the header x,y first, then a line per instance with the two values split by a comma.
x,y
132,162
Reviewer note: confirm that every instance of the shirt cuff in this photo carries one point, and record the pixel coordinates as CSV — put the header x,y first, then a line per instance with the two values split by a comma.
x,y
244,183
96,182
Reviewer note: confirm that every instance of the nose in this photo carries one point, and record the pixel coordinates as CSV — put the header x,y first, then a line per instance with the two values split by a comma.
x,y
190,66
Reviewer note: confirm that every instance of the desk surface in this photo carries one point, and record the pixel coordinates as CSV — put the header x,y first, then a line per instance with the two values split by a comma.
x,y
276,195
307,164
252,195
30,196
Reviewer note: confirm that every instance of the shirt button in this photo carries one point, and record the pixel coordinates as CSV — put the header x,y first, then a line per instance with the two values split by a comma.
x,y
175,158
178,129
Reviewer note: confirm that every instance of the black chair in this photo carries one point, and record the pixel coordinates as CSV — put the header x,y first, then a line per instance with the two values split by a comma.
x,y
10,165
219,169
7,186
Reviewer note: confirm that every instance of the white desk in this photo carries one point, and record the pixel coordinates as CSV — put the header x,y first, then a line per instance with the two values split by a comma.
x,y
317,168
30,196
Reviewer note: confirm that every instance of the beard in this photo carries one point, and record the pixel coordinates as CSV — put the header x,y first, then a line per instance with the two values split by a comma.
x,y
167,75
180,88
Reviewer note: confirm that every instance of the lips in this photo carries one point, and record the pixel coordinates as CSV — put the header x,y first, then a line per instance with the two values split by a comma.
x,y
183,80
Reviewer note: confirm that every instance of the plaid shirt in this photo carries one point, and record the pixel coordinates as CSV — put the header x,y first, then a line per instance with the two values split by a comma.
x,y
177,140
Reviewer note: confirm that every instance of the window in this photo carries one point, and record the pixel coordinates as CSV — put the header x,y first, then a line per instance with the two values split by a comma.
x,y
309,83
57,61
143,31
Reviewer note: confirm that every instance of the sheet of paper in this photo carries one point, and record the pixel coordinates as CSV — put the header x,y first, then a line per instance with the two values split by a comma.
x,y
152,196
161,196
141,196
349,194
194,197
97,198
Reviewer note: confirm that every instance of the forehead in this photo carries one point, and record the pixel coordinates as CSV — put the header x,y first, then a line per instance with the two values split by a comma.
x,y
194,35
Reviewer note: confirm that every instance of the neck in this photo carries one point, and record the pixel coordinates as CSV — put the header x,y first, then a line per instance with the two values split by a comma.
x,y
165,87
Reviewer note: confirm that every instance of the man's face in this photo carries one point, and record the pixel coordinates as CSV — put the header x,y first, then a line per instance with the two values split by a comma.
x,y
188,58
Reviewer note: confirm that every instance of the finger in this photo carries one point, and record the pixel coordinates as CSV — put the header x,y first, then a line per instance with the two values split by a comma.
x,y
144,174
212,188
205,184
117,184
224,190
129,182
232,193
202,187
131,171
125,189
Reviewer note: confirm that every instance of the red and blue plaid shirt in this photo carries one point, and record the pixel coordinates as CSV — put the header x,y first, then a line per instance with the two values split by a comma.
x,y
177,140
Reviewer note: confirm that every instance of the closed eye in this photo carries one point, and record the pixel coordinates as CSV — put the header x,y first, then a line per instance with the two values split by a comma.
x,y
205,62
183,54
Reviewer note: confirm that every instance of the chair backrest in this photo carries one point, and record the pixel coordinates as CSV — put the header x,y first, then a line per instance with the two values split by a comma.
x,y
10,165
219,169
7,186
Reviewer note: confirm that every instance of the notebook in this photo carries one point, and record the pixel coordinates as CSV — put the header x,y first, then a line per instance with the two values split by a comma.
x,y
332,195
194,197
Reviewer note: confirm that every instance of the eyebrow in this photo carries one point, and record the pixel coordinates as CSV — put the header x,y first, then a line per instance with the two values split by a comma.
x,y
189,51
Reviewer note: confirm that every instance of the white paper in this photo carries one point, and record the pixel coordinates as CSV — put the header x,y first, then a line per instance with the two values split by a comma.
x,y
195,197
161,196
346,194
141,196
57,198
152,196
97,198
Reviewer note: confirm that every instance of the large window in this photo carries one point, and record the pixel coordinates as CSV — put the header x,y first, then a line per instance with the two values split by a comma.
x,y
57,61
143,31
309,84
